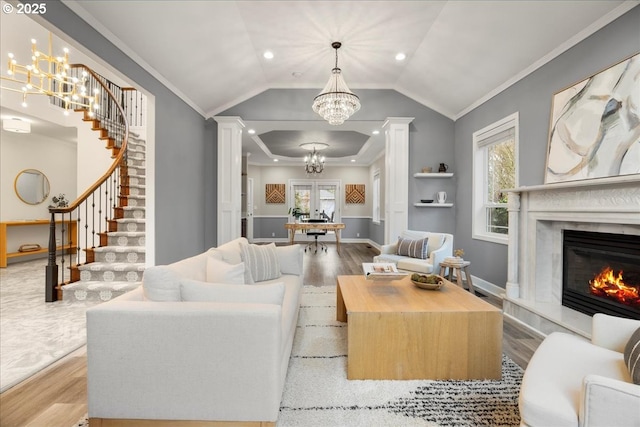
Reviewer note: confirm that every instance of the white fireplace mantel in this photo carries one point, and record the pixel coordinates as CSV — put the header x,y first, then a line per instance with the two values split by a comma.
x,y
537,217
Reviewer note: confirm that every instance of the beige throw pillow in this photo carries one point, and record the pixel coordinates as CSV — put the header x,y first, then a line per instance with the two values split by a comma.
x,y
222,272
261,262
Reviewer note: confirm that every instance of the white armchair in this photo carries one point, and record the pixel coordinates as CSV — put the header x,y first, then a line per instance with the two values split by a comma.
x,y
573,382
439,246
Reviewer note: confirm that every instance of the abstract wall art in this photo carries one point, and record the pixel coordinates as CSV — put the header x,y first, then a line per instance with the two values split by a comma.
x,y
274,193
594,130
354,193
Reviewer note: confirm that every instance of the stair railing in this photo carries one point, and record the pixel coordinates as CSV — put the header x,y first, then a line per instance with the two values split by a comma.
x,y
91,211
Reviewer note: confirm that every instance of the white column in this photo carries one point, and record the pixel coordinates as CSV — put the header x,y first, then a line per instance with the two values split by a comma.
x,y
513,286
396,151
229,177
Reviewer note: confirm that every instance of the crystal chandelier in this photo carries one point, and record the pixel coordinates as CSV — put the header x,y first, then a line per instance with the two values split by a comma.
x,y
48,75
336,103
313,162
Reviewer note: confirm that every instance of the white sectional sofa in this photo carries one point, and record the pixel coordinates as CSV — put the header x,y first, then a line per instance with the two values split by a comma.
x,y
570,381
439,246
222,356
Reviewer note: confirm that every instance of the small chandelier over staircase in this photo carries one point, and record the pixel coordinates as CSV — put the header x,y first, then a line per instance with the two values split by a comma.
x,y
49,75
336,103
313,162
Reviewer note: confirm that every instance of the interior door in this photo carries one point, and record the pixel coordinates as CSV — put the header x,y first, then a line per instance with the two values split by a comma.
x,y
250,209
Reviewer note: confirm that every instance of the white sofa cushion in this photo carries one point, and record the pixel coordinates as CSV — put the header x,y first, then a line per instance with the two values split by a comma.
x,y
159,283
261,261
219,271
193,290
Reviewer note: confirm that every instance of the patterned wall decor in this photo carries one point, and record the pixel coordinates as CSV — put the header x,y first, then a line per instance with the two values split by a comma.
x,y
274,193
354,193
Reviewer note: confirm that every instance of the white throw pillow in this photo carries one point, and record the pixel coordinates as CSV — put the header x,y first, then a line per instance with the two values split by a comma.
x,y
192,290
222,272
289,259
261,262
161,283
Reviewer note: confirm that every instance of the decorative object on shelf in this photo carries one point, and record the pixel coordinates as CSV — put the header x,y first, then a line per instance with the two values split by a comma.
x,y
443,167
426,201
427,169
275,193
29,247
442,196
47,75
354,193
59,201
313,162
590,121
431,282
336,103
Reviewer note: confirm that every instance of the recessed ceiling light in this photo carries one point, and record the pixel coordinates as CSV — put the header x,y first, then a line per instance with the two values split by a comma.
x,y
400,56
275,160
353,160
268,54
251,131
375,132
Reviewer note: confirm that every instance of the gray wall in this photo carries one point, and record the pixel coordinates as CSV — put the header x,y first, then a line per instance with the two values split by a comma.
x,y
532,98
431,141
185,161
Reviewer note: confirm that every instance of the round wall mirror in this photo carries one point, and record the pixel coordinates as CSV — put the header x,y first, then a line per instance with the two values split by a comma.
x,y
32,186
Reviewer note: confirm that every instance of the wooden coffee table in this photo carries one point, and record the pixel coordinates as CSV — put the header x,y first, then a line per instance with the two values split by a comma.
x,y
398,331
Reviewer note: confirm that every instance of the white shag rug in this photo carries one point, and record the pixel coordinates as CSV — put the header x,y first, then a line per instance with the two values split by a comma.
x,y
317,392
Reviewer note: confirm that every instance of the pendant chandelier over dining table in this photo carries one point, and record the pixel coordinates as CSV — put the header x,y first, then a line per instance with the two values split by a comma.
x,y
336,103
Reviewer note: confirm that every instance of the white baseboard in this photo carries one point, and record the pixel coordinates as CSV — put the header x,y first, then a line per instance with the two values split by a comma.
x,y
488,287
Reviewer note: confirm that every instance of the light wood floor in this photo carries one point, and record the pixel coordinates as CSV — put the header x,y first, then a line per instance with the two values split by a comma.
x,y
57,396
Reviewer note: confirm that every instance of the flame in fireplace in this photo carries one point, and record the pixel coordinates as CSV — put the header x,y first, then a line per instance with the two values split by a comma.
x,y
610,285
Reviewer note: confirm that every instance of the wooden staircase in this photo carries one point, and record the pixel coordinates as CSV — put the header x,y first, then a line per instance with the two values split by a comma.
x,y
116,266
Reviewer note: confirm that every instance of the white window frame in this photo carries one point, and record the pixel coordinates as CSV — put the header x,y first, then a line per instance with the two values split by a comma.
x,y
314,184
376,197
481,141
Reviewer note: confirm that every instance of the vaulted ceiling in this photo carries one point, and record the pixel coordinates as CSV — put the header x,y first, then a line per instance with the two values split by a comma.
x,y
458,53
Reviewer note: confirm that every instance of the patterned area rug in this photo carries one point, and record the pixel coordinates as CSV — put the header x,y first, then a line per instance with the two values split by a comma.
x,y
317,392
34,333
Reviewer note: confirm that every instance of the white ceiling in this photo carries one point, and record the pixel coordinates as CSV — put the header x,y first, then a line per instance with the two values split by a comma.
x,y
459,53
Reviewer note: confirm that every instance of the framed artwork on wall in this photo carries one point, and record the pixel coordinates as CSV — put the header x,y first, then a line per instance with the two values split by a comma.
x,y
354,193
594,131
274,193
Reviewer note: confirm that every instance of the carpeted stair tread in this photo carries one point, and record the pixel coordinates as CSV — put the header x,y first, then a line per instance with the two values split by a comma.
x,y
120,249
94,285
126,233
112,266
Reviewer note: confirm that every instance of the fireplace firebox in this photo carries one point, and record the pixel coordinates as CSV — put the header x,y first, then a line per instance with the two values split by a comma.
x,y
601,273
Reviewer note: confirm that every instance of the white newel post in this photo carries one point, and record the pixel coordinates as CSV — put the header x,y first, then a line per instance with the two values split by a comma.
x,y
229,178
513,286
396,177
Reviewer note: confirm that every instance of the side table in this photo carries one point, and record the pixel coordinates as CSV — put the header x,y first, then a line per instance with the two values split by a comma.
x,y
457,267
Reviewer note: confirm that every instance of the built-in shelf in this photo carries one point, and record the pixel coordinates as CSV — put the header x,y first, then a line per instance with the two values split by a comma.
x,y
433,175
433,205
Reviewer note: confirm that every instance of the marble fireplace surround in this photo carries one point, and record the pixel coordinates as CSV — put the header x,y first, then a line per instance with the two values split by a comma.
x,y
537,216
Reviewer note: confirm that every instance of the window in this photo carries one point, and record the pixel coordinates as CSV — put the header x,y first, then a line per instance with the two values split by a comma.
x,y
495,169
376,197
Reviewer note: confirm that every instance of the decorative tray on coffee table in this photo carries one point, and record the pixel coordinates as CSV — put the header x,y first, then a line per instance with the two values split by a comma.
x,y
439,281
